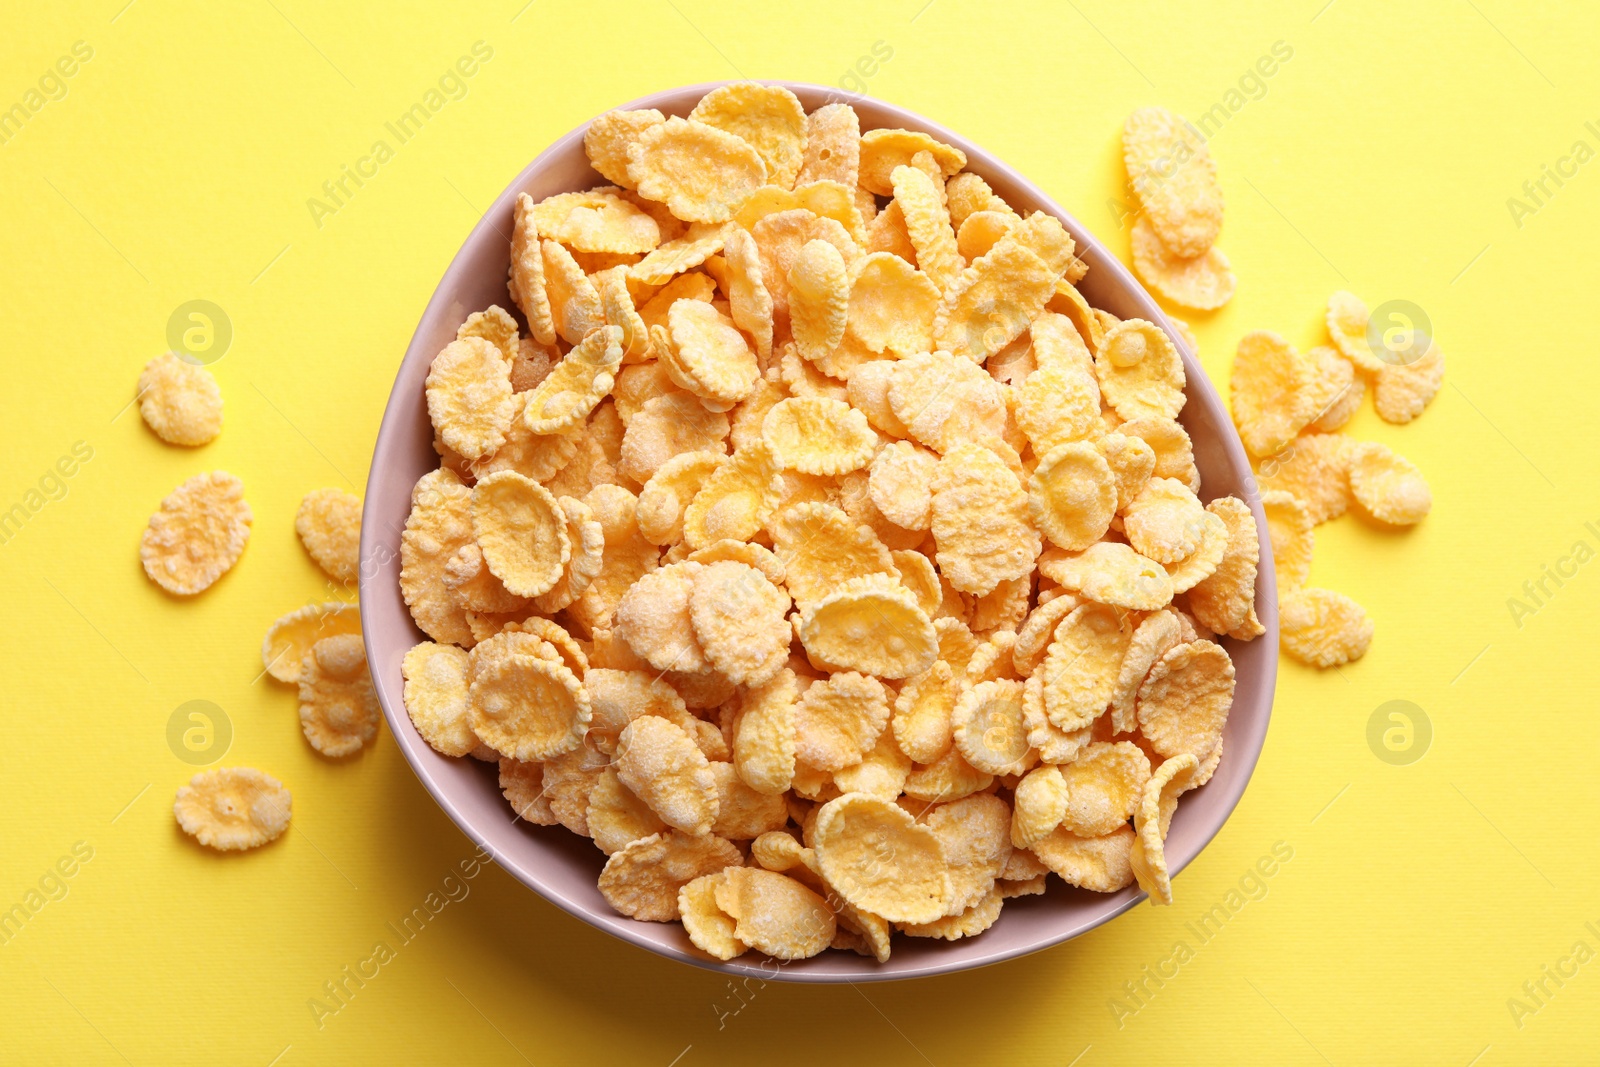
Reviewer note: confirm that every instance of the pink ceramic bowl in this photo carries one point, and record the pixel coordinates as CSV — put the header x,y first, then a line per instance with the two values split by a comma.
x,y
562,867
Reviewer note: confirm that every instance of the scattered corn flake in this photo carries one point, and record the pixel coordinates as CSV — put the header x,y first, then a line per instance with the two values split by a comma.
x,y
1315,467
1203,283
1402,390
1388,486
1175,179
1273,391
339,710
1338,389
1347,325
1322,628
198,534
1293,537
180,401
233,808
329,524
291,637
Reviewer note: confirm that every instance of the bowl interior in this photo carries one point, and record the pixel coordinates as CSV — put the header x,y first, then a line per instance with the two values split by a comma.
x,y
562,867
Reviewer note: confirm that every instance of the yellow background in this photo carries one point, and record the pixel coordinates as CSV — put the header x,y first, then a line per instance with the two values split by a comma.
x,y
1380,159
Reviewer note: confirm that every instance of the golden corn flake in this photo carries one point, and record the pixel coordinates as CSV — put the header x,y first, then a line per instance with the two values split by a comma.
x,y
615,817
818,436
1072,496
1058,404
736,501
668,491
664,767
642,881
749,303
981,230
1347,326
439,525
1079,672
574,301
338,708
437,699
768,117
819,295
1110,572
709,356
1173,450
1402,390
596,221
198,535
1155,635
701,173
764,735
577,384
901,484
1148,856
1273,392
1388,486
291,637
522,532
1175,179
838,720
522,784
990,303
1099,864
1338,389
927,220
1225,602
180,401
892,305
884,150
1293,538
528,707
1054,745
739,621
880,860
968,922
882,772
1140,372
1203,562
1322,628
989,729
1315,467
654,618
832,146
616,303
231,808
607,139
666,266
329,524
1184,700
1165,522
669,427
1203,283
1104,785
981,523
868,392
822,548
587,556
1036,632
775,913
975,833
1040,803
709,927
872,625
942,400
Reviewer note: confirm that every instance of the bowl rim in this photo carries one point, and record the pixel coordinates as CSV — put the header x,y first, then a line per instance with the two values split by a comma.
x,y
1198,388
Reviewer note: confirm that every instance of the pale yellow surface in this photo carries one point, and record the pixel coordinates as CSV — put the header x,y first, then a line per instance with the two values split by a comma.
x,y
1380,158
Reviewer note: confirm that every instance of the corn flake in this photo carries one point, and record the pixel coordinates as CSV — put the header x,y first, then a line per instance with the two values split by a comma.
x,y
872,625
980,522
1322,628
233,808
768,117
180,401
1175,180
1184,700
1079,672
1388,486
701,173
339,710
880,860
991,302
198,535
642,881
1203,283
1293,538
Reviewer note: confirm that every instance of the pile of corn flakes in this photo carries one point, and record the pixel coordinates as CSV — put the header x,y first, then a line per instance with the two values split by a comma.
x,y
812,546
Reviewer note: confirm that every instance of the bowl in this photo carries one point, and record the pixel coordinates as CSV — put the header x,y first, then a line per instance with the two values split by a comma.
x,y
562,867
